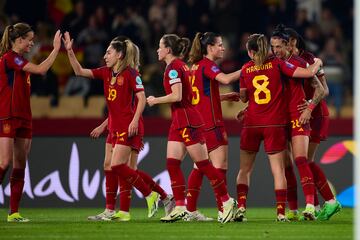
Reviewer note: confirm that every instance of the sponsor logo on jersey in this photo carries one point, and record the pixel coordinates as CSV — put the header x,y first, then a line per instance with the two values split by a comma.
x,y
173,74
215,69
18,61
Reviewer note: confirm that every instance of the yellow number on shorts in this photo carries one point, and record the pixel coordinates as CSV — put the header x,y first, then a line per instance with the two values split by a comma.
x,y
112,94
196,96
295,123
261,88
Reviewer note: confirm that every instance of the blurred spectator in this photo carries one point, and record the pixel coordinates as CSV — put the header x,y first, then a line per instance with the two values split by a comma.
x,y
75,21
335,73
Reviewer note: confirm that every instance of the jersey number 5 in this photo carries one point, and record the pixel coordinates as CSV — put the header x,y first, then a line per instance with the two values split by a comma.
x,y
261,88
196,96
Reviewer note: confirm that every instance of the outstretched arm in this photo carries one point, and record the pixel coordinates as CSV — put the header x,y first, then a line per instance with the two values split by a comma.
x,y
228,78
78,69
44,66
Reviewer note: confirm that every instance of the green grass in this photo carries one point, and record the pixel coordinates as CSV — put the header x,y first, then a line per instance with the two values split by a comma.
x,y
72,224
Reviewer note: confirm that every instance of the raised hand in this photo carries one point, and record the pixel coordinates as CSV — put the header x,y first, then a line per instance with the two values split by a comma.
x,y
57,40
67,41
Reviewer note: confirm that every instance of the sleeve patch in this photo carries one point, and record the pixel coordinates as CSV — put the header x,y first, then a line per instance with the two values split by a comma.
x,y
173,74
176,80
18,61
138,80
289,65
215,69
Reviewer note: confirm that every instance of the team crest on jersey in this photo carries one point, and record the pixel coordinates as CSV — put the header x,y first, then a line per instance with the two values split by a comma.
x,y
215,69
289,65
6,128
120,80
18,61
173,74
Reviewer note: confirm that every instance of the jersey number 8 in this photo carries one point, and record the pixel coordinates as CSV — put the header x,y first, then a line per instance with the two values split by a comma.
x,y
261,88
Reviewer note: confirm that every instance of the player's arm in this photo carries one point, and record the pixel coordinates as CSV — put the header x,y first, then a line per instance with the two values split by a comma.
x,y
226,78
309,71
323,82
96,132
134,125
243,95
230,97
319,93
78,69
174,96
44,66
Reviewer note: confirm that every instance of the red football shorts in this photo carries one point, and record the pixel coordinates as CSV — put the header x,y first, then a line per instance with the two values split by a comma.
x,y
319,129
16,128
215,138
296,129
187,135
121,137
275,139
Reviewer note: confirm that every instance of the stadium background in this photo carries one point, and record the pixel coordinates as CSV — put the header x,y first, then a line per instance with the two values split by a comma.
x,y
65,166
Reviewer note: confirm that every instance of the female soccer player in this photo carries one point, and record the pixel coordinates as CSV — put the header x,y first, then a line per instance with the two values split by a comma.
x,y
185,134
265,118
111,179
121,82
205,77
15,112
319,123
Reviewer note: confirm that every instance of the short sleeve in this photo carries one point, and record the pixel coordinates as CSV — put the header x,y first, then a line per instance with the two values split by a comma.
x,y
16,62
287,68
211,71
174,76
136,83
99,73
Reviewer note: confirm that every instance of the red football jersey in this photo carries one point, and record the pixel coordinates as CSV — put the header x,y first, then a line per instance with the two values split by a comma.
x,y
14,87
265,89
295,91
206,93
321,109
119,94
183,113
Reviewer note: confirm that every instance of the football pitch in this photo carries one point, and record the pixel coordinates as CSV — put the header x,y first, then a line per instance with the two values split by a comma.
x,y
67,223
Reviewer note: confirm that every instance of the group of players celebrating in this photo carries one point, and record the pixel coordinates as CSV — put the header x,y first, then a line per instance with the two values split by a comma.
x,y
286,110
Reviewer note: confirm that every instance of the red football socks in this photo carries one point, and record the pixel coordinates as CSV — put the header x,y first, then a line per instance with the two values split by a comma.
x,y
215,179
306,179
321,182
280,195
177,180
111,183
152,184
194,185
124,172
125,195
16,188
242,191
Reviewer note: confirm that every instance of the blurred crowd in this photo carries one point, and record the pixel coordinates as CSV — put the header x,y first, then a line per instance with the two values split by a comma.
x,y
327,27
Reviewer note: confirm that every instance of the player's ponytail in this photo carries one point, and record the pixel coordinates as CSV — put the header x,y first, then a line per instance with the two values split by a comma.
x,y
200,44
179,46
259,44
196,53
11,33
136,58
